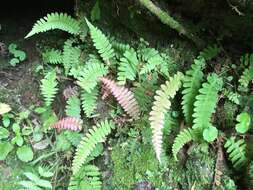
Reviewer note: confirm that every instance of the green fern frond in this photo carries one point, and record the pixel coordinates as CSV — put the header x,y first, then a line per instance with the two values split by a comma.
x,y
101,42
247,75
182,138
120,48
160,106
236,151
90,75
206,101
52,56
49,87
232,96
192,83
89,101
152,60
87,178
71,56
95,135
55,21
128,67
210,52
73,107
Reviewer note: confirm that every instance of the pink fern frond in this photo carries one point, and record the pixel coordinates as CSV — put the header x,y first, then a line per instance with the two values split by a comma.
x,y
70,123
124,96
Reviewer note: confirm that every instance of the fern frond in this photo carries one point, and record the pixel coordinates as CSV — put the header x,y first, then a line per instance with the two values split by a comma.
x,y
90,140
89,101
90,75
206,101
160,106
232,96
152,59
70,55
73,107
52,56
192,83
55,21
182,138
120,48
236,151
247,74
128,67
124,96
49,87
70,123
88,177
210,52
101,42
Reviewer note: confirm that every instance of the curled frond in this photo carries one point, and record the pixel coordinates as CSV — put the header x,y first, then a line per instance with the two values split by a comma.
x,y
182,138
95,135
160,106
70,123
55,21
124,96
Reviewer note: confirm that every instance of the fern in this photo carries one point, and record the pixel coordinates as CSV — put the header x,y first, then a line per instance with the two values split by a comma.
x,y
206,101
49,87
247,75
73,107
182,138
192,83
101,42
55,21
90,140
232,96
70,56
90,75
236,151
52,56
124,96
160,107
210,52
89,101
128,66
152,59
88,178
70,123
120,48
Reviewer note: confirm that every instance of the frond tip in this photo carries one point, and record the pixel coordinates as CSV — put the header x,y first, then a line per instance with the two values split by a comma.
x,y
124,96
70,123
160,107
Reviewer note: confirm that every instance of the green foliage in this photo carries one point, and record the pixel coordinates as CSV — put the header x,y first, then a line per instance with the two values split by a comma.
x,y
18,55
232,96
73,107
55,21
97,134
95,12
160,107
52,56
247,74
89,101
49,87
90,75
243,124
101,42
236,152
210,52
25,153
206,101
192,83
182,138
210,134
5,149
88,178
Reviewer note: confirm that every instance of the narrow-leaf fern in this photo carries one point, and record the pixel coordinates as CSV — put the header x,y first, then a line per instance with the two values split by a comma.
x,y
52,56
89,101
247,75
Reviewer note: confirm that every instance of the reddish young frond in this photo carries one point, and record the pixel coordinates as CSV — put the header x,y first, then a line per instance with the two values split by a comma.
x,y
70,123
124,96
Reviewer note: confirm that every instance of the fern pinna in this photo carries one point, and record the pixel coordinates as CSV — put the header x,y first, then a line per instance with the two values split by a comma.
x,y
236,151
52,56
49,87
192,83
73,107
55,21
70,123
160,107
87,178
247,75
206,101
89,101
95,135
124,96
